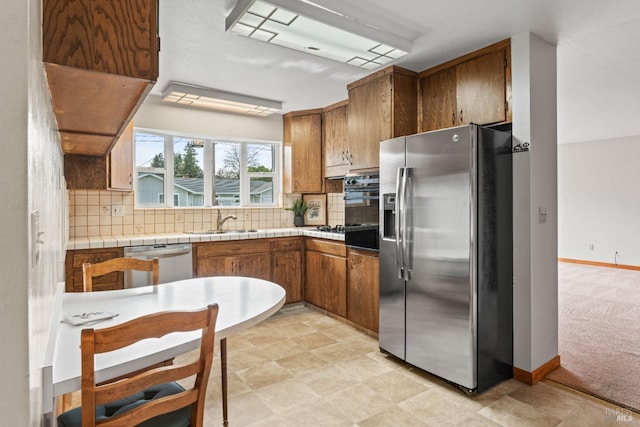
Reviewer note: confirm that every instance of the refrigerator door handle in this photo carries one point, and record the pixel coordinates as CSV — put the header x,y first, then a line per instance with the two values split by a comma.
x,y
399,208
407,233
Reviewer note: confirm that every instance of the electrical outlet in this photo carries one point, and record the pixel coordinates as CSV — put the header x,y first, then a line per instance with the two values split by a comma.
x,y
117,210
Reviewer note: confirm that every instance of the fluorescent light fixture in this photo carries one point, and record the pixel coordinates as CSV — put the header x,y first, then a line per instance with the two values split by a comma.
x,y
213,99
305,26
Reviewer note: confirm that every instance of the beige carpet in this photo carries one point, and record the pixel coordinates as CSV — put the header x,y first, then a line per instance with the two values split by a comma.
x,y
599,332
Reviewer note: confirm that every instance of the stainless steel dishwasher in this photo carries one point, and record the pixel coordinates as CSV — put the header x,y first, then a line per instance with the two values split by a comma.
x,y
174,263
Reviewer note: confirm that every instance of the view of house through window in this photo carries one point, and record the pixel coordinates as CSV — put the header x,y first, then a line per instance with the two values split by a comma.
x,y
196,172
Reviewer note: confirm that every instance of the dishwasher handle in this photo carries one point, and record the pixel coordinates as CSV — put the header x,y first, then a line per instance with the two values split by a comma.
x,y
159,251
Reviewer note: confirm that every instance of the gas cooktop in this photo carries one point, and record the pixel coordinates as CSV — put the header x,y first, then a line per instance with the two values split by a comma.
x,y
329,229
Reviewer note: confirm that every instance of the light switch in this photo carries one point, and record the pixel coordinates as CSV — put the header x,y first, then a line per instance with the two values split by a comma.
x,y
542,215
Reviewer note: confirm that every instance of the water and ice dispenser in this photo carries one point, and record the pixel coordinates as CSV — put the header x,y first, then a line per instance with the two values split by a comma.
x,y
389,217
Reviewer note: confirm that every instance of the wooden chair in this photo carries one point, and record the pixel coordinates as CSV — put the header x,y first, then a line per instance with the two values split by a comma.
x,y
89,271
150,395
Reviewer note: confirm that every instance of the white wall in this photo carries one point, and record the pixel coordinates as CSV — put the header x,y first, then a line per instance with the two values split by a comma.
x,y
599,200
535,279
153,114
31,174
14,356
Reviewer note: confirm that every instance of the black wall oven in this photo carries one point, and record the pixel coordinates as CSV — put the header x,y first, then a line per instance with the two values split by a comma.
x,y
361,209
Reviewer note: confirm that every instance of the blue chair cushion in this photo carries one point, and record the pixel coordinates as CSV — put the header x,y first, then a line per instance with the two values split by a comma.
x,y
179,418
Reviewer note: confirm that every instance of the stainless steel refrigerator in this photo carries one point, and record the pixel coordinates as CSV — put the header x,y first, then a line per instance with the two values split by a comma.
x,y
446,254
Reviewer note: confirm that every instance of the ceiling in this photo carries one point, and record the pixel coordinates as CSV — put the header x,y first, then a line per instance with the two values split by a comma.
x,y
598,55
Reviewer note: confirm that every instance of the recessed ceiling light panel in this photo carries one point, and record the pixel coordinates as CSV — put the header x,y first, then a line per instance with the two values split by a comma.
x,y
213,99
327,34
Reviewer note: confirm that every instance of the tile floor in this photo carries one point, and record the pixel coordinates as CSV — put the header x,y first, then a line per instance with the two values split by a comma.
x,y
302,368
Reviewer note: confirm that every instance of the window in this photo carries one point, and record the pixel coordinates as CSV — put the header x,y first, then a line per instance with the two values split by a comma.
x,y
200,172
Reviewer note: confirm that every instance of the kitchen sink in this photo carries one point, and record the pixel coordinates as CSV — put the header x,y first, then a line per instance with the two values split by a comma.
x,y
221,232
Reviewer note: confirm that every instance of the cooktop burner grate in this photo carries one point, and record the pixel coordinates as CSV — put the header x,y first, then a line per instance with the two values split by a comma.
x,y
329,229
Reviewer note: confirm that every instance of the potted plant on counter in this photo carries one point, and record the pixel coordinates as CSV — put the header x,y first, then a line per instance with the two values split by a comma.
x,y
299,208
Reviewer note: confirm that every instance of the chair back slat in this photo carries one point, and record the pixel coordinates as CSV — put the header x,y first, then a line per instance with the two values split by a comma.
x,y
89,271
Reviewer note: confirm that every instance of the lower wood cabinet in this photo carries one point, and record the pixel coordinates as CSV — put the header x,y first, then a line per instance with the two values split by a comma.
x,y
326,275
363,288
286,266
251,258
73,269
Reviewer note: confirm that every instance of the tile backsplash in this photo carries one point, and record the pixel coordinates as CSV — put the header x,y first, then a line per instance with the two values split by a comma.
x,y
90,215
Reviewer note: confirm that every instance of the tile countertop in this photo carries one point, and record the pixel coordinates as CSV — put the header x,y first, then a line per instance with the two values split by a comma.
x,y
184,237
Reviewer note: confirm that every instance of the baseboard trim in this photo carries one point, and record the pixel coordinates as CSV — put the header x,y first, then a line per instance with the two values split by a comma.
x,y
538,374
600,264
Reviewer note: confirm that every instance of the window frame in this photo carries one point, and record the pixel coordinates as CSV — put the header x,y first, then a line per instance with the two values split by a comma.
x,y
208,168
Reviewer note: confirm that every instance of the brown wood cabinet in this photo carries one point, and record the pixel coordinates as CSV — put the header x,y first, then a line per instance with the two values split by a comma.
x,y
101,59
113,172
381,106
286,264
475,88
326,275
363,288
73,269
251,258
302,144
337,154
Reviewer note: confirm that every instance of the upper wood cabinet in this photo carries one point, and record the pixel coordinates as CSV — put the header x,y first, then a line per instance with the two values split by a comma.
x,y
337,154
381,106
113,172
101,59
475,88
302,143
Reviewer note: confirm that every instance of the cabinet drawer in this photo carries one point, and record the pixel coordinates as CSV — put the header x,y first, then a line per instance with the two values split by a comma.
x,y
286,244
106,282
94,257
326,246
242,247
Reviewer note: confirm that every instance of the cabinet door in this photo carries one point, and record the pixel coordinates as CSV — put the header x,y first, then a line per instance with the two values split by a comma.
x,y
438,99
313,292
363,290
303,153
255,265
334,277
287,272
120,165
336,142
369,121
213,266
481,86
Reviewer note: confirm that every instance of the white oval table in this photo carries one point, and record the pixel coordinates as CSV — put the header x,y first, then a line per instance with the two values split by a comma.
x,y
243,302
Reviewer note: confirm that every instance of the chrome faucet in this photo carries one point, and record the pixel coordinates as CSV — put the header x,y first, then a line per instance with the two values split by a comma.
x,y
220,221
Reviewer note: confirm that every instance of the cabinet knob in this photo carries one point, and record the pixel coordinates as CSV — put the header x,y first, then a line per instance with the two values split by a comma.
x,y
130,179
461,117
453,119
